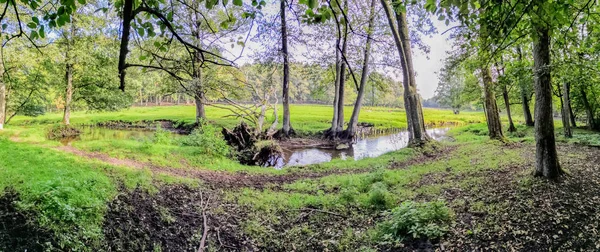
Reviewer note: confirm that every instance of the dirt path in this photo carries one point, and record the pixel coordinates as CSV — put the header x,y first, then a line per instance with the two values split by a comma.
x,y
222,179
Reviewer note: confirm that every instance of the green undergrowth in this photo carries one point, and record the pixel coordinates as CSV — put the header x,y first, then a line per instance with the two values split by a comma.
x,y
67,194
413,220
382,188
386,189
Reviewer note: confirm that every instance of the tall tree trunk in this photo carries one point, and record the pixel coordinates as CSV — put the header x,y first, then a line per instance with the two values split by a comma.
x,y
2,91
412,100
338,63
566,113
342,85
352,125
526,109
200,112
69,76
546,156
199,92
68,94
343,66
500,70
525,97
572,115
123,48
2,103
588,110
287,127
511,125
491,107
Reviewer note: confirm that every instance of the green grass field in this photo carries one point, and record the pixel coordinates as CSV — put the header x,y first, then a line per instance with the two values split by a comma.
x,y
306,119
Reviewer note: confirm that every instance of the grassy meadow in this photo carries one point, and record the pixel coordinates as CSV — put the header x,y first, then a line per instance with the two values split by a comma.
x,y
306,119
154,193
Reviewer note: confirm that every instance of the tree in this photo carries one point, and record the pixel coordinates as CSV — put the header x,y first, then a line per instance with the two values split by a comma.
x,y
352,125
491,108
451,91
2,88
69,37
412,101
287,127
502,80
525,93
546,155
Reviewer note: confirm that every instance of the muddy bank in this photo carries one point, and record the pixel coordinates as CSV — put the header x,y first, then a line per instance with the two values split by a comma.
x,y
176,218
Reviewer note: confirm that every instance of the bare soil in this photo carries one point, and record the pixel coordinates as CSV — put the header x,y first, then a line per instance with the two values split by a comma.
x,y
508,210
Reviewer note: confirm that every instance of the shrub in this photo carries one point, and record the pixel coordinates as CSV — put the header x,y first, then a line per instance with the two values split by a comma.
x,y
161,136
59,131
209,141
379,196
428,220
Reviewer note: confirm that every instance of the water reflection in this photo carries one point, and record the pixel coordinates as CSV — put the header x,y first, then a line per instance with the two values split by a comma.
x,y
363,148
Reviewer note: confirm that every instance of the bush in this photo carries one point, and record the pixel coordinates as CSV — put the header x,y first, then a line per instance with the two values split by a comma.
x,y
161,136
209,141
379,196
59,131
428,220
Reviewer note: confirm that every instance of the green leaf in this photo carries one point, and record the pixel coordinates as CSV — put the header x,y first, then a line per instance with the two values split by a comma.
x,y
237,2
33,35
82,2
41,32
35,20
31,25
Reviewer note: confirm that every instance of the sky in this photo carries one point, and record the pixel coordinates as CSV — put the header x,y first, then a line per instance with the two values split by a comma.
x,y
427,79
426,65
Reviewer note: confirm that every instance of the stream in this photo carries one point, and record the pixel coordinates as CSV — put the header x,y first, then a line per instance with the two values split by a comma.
x,y
371,146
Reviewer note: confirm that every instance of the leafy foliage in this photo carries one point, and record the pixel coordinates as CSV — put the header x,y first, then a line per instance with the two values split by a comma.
x,y
413,220
208,140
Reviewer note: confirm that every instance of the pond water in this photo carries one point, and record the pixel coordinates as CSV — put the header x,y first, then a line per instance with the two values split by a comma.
x,y
100,133
371,146
363,148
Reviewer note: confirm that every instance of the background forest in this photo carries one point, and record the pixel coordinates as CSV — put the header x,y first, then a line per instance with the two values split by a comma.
x,y
281,125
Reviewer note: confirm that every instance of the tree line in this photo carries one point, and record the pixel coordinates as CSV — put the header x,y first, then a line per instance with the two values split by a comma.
x,y
184,47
